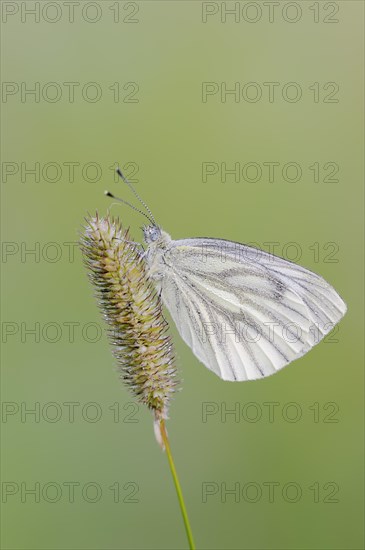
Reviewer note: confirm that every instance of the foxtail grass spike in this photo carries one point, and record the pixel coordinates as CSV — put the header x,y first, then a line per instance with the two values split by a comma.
x,y
133,313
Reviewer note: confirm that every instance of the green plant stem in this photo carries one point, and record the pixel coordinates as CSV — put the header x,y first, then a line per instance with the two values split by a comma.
x,y
177,485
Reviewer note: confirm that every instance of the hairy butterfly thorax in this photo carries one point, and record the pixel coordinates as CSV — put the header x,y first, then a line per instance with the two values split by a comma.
x,y
158,243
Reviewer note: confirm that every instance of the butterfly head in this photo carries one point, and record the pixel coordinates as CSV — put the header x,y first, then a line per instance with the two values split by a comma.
x,y
152,233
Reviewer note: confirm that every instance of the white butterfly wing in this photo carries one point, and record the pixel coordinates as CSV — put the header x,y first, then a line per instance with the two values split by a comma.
x,y
245,313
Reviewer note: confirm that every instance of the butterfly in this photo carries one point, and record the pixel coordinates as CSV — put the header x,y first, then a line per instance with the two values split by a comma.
x,y
244,313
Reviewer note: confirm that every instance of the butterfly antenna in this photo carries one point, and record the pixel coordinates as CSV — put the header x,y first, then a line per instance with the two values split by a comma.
x,y
108,194
151,217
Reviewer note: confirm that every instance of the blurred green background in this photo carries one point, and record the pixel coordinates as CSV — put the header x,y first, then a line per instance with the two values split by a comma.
x,y
302,427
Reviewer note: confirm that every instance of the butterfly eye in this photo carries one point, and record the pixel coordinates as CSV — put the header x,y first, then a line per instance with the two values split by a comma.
x,y
151,233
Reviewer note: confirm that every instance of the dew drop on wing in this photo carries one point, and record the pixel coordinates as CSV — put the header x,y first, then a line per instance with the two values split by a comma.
x,y
280,289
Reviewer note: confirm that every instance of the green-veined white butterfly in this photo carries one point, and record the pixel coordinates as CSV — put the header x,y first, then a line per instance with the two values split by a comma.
x,y
245,313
